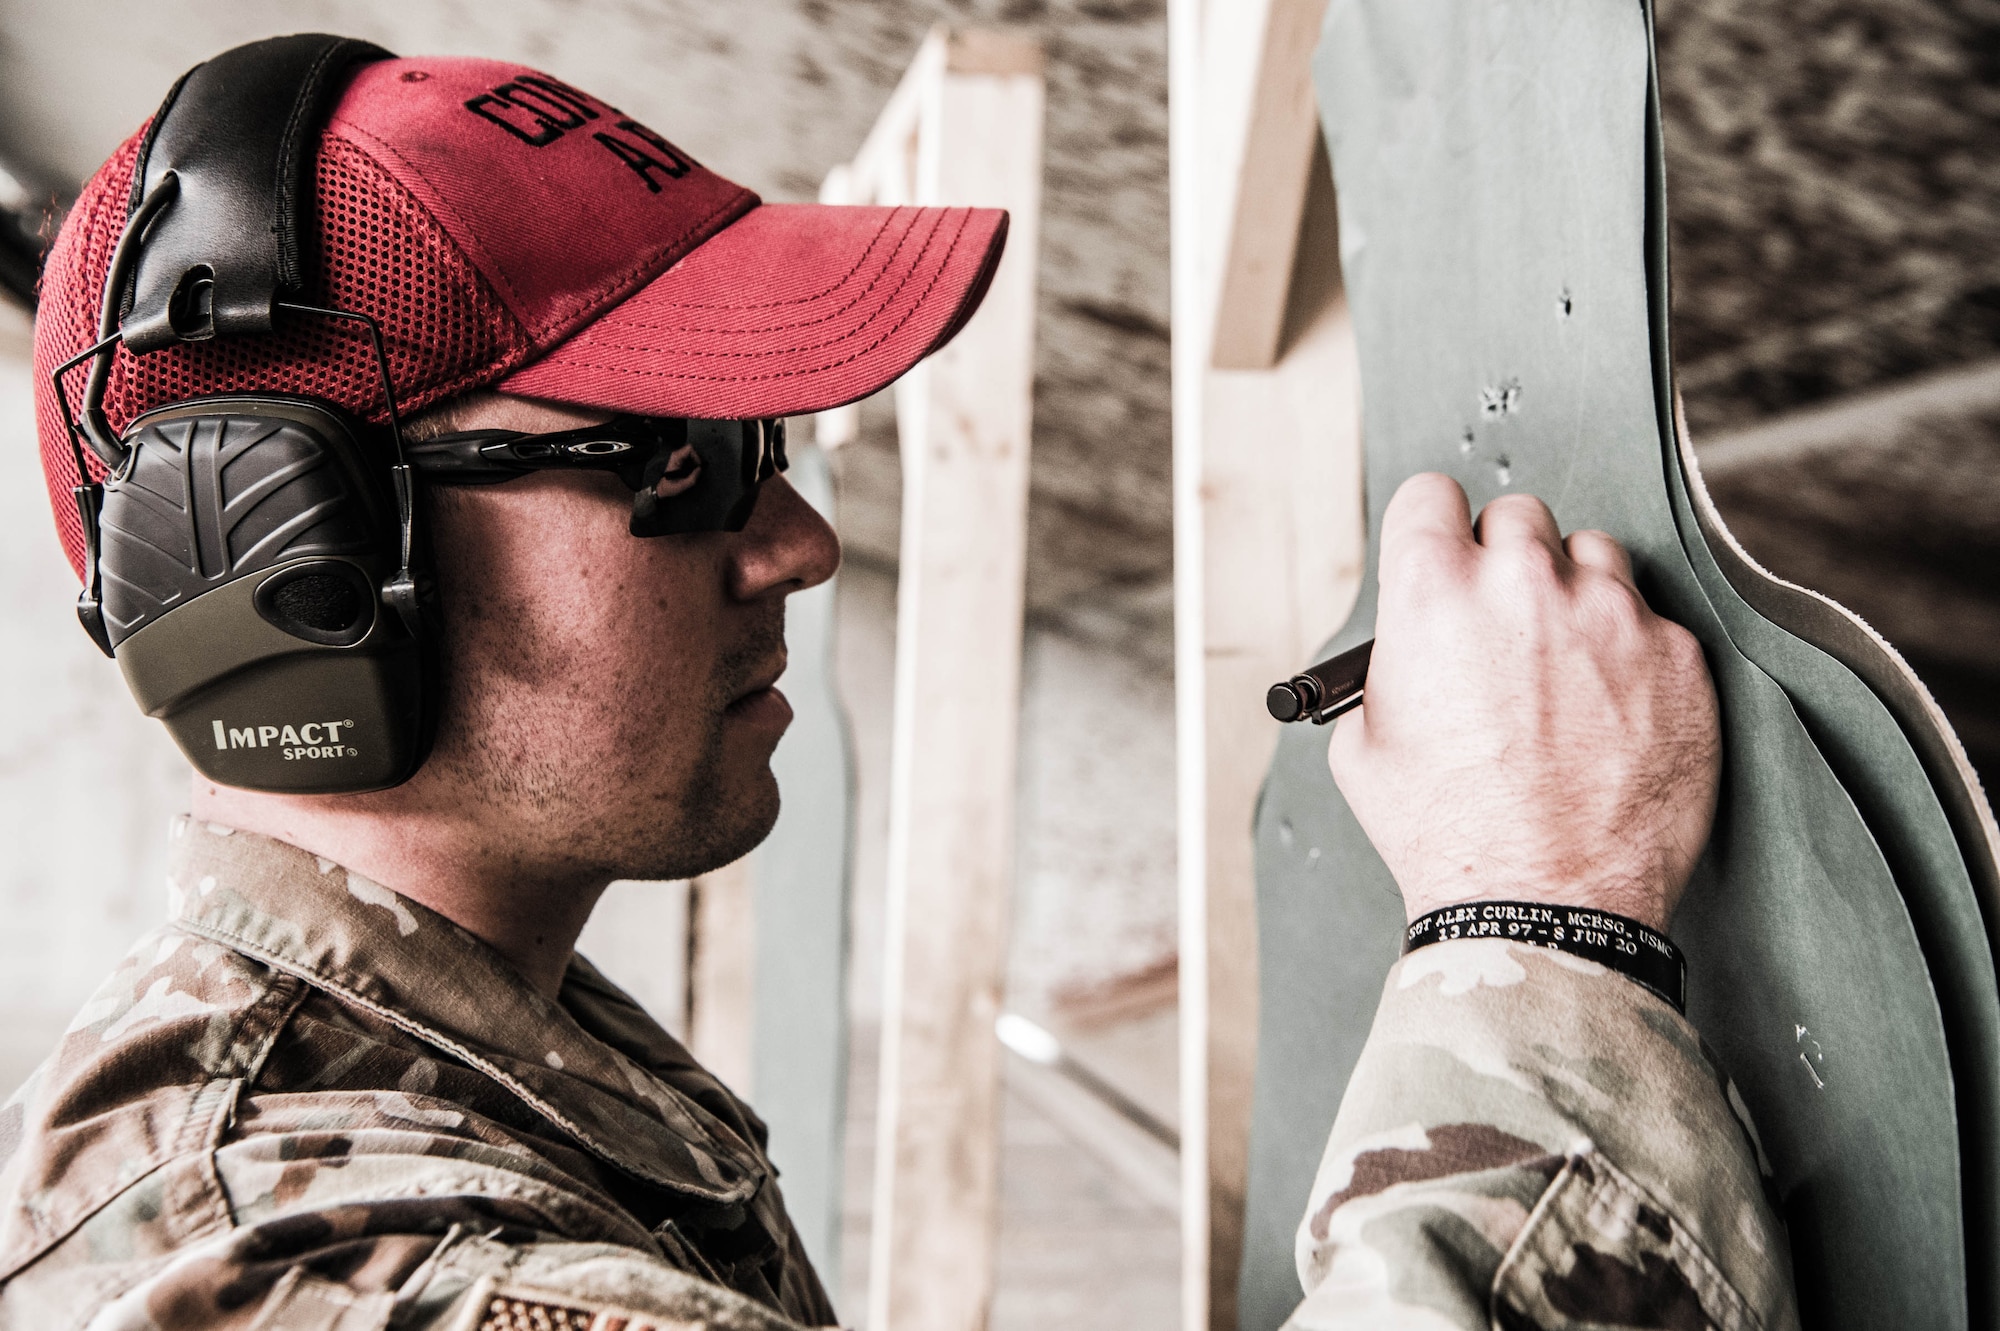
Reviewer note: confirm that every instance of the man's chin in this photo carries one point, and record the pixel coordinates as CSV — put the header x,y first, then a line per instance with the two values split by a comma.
x,y
723,831
759,815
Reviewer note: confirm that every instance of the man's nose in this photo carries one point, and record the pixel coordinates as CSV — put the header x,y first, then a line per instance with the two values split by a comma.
x,y
787,545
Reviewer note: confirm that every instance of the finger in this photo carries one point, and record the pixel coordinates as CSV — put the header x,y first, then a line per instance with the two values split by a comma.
x,y
1513,519
1427,511
1598,550
1343,749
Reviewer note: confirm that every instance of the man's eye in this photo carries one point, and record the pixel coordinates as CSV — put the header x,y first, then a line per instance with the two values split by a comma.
x,y
682,471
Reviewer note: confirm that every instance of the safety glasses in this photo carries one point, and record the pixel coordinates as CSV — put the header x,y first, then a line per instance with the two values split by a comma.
x,y
685,475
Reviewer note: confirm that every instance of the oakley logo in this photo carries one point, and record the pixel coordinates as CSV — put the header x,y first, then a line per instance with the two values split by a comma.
x,y
538,110
313,739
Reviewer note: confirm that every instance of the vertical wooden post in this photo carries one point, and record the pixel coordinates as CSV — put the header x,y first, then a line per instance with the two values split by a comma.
x,y
1268,537
963,419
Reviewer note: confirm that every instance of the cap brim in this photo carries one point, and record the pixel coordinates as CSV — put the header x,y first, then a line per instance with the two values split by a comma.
x,y
790,309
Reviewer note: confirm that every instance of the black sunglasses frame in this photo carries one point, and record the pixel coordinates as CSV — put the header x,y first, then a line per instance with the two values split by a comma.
x,y
730,460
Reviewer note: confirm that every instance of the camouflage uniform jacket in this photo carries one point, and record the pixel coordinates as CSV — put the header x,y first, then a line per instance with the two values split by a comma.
x,y
308,1102
1532,1141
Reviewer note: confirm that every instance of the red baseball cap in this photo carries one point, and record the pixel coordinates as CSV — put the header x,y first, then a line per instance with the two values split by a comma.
x,y
508,230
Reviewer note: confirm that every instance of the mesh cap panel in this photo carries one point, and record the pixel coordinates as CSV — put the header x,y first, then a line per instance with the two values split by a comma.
x,y
378,253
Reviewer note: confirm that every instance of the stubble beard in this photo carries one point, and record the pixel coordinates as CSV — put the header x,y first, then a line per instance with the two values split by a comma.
x,y
708,826
624,827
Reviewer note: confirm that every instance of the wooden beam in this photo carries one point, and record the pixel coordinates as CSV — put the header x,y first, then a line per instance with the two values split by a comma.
x,y
884,171
1261,118
1867,418
964,421
1269,536
1279,577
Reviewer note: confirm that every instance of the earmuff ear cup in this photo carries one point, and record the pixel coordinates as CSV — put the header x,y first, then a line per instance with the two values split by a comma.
x,y
245,543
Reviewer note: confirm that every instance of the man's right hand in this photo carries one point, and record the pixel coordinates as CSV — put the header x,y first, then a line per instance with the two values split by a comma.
x,y
1532,731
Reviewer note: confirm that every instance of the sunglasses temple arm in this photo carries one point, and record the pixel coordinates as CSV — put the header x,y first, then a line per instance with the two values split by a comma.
x,y
458,459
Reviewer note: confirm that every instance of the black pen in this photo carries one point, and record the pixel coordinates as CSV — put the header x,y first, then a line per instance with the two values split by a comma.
x,y
1324,691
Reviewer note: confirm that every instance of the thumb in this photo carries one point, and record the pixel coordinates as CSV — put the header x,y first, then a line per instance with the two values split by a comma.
x,y
1346,751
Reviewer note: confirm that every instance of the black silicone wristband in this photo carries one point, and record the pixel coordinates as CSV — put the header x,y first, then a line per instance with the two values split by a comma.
x,y
1623,944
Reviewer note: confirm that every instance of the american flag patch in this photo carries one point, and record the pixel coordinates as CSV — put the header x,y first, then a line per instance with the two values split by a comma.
x,y
514,1309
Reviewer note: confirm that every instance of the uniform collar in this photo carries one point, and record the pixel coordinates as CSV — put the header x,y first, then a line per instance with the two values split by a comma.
x,y
354,938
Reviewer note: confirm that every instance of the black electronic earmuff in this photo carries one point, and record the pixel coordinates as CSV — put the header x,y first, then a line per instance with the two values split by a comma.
x,y
252,561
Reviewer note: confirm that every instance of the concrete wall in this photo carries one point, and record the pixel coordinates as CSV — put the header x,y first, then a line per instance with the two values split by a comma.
x,y
1833,194
1833,191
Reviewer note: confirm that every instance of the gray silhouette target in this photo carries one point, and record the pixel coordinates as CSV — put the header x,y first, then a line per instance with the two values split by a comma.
x,y
1500,193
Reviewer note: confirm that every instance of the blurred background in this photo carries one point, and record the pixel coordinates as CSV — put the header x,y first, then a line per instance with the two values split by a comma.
x,y
1834,200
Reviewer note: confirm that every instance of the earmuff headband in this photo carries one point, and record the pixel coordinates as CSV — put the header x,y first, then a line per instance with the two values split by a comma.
x,y
239,132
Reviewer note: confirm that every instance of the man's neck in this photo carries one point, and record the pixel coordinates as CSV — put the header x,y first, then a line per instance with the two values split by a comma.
x,y
529,911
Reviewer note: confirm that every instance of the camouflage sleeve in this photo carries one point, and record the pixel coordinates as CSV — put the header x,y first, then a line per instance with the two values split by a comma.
x,y
1532,1141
